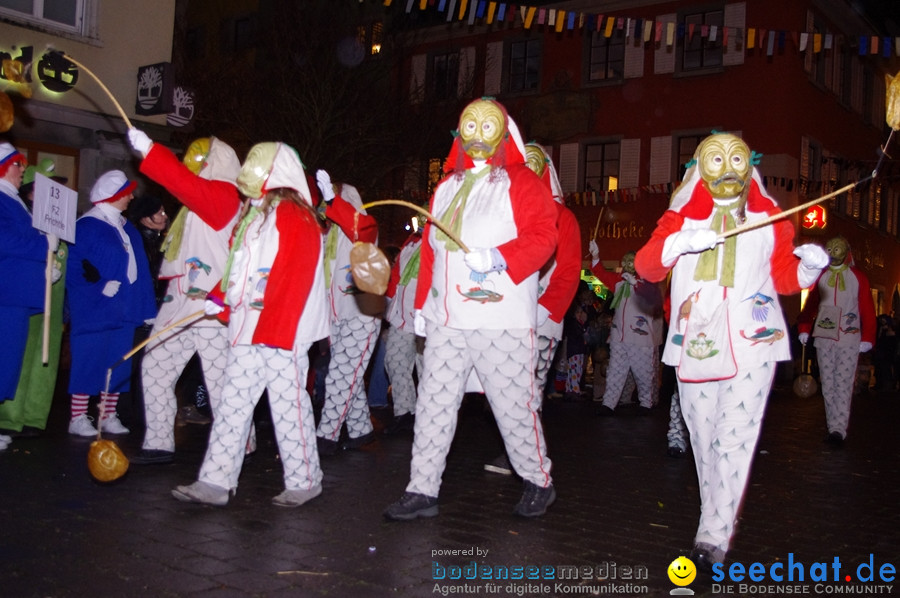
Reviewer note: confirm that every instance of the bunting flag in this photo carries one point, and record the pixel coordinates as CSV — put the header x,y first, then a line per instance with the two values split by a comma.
x,y
649,31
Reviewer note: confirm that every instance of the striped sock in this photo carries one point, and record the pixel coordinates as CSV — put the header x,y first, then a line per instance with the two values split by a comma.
x,y
111,400
80,404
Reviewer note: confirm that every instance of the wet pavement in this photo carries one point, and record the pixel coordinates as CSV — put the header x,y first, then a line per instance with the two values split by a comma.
x,y
625,511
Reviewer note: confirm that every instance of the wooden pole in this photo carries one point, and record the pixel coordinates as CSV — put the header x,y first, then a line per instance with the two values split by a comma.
x,y
424,212
102,86
48,283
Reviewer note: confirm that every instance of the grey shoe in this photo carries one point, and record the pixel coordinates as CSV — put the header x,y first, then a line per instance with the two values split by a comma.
x,y
295,498
535,500
411,506
82,426
202,492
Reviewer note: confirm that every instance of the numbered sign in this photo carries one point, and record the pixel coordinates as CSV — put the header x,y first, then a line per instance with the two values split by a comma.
x,y
54,208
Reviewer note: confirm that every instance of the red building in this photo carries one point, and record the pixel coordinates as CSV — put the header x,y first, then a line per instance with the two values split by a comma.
x,y
623,91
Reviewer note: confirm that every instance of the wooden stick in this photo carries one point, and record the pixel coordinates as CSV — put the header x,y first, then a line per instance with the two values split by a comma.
x,y
597,226
48,283
102,86
424,212
784,214
143,344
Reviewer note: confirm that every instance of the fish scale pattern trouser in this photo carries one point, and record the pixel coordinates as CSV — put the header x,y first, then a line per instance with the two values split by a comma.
x,y
724,420
399,362
547,346
837,372
676,436
641,361
352,343
251,369
504,361
163,363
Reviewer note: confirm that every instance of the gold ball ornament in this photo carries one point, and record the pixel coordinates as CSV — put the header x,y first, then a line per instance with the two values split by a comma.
x,y
892,101
7,114
370,268
106,461
805,386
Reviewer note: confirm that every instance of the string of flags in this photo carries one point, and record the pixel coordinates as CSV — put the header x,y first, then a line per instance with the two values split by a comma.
x,y
646,30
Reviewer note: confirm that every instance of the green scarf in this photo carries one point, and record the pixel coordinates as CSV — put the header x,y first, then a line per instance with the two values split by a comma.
x,y
709,259
452,217
238,239
837,277
623,292
330,251
411,270
172,242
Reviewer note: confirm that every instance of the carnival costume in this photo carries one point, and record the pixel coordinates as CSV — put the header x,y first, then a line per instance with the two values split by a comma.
x,y
195,252
274,288
840,315
727,330
479,309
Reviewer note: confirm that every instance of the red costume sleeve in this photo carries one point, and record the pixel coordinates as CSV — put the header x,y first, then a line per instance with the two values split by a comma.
x,y
426,267
866,308
609,279
784,263
810,309
648,259
291,276
357,226
534,213
215,202
564,281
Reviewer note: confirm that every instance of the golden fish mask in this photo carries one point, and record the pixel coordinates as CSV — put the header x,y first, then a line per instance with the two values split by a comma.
x,y
256,169
196,154
628,263
481,129
892,102
535,159
724,162
837,248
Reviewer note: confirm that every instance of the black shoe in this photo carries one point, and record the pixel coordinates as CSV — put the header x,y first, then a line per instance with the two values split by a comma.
x,y
412,505
604,411
535,500
359,442
326,447
675,452
643,410
704,556
152,457
499,465
834,439
401,424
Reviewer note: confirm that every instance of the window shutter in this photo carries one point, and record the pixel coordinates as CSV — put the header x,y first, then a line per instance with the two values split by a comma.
x,y
493,68
664,55
417,78
466,86
660,160
735,18
568,167
629,163
634,57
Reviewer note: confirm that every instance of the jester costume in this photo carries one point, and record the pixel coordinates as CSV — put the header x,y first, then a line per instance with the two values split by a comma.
x,y
840,315
195,252
274,286
480,308
353,333
727,330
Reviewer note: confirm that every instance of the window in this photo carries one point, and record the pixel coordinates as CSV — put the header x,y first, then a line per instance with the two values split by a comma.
x,y
524,65
698,51
687,145
371,36
606,61
601,166
195,42
62,15
816,64
445,75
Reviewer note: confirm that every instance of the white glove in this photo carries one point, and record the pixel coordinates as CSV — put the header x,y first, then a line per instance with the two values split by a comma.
x,y
52,242
323,180
212,308
864,347
629,278
111,288
55,274
812,256
419,323
140,141
543,315
803,337
595,252
485,260
694,241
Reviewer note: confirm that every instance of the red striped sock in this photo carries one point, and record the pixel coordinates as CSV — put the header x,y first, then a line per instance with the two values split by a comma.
x,y
80,404
111,400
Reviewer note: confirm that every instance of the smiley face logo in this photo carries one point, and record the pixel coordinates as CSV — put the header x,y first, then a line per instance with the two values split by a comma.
x,y
682,571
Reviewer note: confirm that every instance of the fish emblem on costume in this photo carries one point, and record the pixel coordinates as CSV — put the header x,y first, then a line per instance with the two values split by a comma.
x,y
350,289
701,347
479,294
849,321
764,335
760,306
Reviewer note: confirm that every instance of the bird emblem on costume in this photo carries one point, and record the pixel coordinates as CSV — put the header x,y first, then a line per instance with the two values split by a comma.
x,y
684,310
849,324
640,324
764,335
195,266
760,306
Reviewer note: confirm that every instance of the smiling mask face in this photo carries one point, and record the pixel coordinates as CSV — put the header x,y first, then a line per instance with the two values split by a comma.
x,y
724,162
